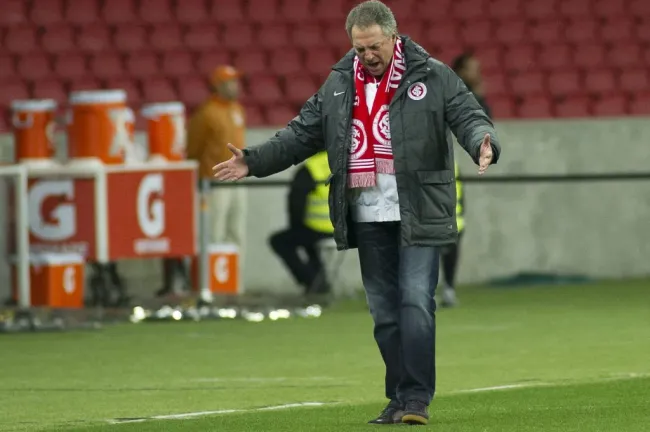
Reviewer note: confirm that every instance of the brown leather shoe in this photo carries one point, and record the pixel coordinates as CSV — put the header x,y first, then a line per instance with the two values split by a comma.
x,y
390,415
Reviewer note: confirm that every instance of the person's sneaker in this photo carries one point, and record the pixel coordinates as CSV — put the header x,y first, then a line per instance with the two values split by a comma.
x,y
448,297
415,413
390,415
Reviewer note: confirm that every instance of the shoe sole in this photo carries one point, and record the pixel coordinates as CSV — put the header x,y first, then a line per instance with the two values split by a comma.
x,y
415,419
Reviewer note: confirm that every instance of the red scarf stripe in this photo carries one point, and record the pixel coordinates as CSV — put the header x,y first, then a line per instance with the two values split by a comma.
x,y
371,151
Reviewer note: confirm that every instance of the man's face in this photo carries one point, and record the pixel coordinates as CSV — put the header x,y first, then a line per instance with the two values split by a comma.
x,y
471,73
373,47
229,89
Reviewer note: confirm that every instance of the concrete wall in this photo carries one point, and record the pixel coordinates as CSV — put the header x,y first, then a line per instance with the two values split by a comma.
x,y
599,229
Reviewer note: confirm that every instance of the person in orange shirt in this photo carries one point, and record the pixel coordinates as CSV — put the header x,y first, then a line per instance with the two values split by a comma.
x,y
215,123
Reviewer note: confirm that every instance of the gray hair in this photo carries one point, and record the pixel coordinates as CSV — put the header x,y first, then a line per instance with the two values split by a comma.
x,y
369,13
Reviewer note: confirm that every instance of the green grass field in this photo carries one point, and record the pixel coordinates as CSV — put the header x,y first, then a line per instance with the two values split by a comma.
x,y
571,359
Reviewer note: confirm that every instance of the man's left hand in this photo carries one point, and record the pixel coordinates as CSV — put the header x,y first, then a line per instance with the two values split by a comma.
x,y
485,157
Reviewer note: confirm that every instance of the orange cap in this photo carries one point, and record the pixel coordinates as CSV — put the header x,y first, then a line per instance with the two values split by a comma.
x,y
224,73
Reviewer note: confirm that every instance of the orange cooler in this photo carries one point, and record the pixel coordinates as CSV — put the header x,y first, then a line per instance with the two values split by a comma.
x,y
99,126
166,130
34,125
57,280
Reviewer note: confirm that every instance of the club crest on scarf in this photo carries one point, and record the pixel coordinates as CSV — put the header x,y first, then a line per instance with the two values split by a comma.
x,y
371,151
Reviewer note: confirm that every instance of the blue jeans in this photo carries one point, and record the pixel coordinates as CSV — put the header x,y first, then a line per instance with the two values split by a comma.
x,y
400,284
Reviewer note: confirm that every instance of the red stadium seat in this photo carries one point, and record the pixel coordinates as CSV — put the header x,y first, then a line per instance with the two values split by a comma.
x,y
601,82
642,31
133,93
617,30
227,11
46,12
119,12
251,62
108,65
237,36
639,8
540,10
58,39
536,107
640,104
299,88
528,84
635,81
414,28
14,12
94,38
11,90
192,90
156,11
177,64
496,85
266,90
625,55
331,12
563,84
576,106
590,56
505,9
502,107
20,39
82,12
576,8
142,65
469,10
158,90
615,105
307,36
130,38
520,58
263,11
84,83
402,9
295,11
7,67
610,9
440,36
319,61
70,66
582,31
555,57
34,67
208,61
202,37
191,11
511,32
273,36
254,116
478,34
336,37
546,32
5,120
280,115
50,89
286,62
490,58
165,37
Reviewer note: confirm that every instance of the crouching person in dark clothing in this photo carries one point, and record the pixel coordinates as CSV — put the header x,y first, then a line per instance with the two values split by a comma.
x,y
309,223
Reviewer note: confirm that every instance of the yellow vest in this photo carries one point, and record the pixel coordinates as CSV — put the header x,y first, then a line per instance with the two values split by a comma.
x,y
460,218
317,214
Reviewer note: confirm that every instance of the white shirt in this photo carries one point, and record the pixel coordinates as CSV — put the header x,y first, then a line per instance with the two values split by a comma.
x,y
380,202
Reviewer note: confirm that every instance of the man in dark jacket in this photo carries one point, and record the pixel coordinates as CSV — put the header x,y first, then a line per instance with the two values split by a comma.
x,y
385,116
309,223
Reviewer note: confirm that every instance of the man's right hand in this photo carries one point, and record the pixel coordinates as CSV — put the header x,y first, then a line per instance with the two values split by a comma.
x,y
234,168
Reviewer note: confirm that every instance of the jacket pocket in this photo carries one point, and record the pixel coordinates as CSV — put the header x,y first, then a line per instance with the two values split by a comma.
x,y
436,195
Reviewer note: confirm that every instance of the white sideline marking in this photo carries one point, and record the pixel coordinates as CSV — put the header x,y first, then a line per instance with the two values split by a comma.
x,y
263,379
501,387
191,415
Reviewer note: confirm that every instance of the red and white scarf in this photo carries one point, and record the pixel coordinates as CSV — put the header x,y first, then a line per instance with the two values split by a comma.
x,y
371,151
